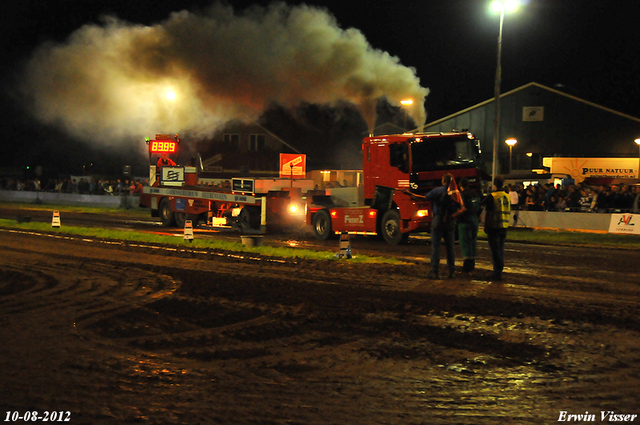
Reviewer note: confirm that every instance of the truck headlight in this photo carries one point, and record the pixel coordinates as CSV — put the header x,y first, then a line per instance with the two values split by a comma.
x,y
422,213
294,209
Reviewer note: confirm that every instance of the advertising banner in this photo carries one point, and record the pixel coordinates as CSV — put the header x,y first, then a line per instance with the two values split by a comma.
x,y
172,176
625,223
293,165
582,168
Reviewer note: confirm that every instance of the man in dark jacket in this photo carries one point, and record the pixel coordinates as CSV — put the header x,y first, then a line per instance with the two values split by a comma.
x,y
442,226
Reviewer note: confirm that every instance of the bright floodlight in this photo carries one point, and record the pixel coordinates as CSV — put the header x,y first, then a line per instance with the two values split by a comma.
x,y
504,5
171,95
511,142
510,5
637,141
407,102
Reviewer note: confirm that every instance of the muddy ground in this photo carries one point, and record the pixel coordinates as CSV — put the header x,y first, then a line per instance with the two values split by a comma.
x,y
132,333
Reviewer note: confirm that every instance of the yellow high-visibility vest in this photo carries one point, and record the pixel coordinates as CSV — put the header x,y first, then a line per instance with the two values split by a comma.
x,y
499,217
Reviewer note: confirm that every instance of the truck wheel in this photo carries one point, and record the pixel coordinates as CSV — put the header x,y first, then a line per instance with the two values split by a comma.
x,y
390,228
167,216
249,218
322,225
180,219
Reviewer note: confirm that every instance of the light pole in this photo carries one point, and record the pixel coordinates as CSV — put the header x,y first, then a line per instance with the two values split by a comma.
x,y
406,102
499,6
638,143
511,142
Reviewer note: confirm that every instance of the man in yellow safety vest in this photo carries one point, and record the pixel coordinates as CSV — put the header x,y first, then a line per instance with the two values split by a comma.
x,y
496,222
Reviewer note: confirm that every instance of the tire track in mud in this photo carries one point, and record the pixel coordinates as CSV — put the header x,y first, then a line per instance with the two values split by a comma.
x,y
381,325
373,343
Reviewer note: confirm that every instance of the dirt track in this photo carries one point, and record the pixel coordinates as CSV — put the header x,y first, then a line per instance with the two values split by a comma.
x,y
131,334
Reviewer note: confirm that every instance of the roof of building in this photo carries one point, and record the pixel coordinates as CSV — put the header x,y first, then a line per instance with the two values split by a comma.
x,y
521,88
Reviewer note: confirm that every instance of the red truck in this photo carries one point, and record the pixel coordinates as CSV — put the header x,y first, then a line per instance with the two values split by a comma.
x,y
396,168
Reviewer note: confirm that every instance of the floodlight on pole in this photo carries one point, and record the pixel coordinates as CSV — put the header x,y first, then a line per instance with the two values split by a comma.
x,y
511,142
499,6
638,143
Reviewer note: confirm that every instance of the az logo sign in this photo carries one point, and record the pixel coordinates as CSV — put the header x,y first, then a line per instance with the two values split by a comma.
x,y
626,220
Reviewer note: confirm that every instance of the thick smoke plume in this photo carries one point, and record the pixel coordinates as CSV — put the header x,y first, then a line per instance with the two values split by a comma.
x,y
109,82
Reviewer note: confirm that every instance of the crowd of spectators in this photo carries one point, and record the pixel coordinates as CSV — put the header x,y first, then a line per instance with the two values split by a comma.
x,y
541,197
620,198
85,186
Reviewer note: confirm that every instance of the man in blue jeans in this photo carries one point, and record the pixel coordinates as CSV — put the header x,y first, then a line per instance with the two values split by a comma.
x,y
496,222
442,226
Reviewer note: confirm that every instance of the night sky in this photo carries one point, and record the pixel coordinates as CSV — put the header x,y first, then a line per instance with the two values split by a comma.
x,y
588,49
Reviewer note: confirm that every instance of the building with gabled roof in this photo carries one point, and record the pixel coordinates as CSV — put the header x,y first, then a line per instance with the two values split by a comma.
x,y
547,123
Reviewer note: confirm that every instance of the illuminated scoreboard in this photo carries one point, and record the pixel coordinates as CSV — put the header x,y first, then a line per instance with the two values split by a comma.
x,y
164,143
163,146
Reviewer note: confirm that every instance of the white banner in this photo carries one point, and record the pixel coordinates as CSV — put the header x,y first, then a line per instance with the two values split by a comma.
x,y
172,176
625,223
581,168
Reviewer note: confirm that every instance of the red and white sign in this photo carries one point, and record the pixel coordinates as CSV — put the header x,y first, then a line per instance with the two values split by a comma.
x,y
293,165
625,223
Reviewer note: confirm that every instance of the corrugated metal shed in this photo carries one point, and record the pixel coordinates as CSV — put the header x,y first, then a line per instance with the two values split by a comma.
x,y
546,122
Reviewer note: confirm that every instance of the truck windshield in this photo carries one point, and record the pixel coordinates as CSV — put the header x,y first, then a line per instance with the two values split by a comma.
x,y
442,154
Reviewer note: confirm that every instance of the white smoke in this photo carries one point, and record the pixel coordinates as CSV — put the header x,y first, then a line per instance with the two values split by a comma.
x,y
109,82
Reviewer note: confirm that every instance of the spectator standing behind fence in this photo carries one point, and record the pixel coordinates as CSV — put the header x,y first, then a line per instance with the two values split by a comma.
x,y
468,225
614,198
530,199
605,199
497,205
625,199
137,188
514,198
550,190
585,200
108,188
573,199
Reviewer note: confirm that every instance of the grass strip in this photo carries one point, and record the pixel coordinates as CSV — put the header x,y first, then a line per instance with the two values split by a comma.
x,y
135,212
547,237
212,244
557,237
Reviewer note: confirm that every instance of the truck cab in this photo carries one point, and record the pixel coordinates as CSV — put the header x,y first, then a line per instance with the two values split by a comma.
x,y
417,162
398,171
